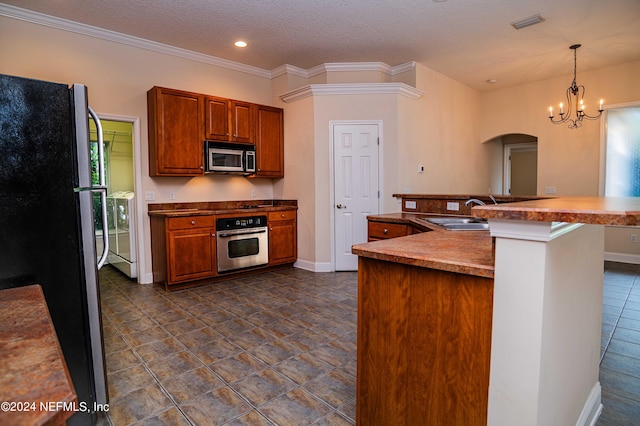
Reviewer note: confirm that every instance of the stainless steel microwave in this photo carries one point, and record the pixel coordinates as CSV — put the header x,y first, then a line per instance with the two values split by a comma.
x,y
230,158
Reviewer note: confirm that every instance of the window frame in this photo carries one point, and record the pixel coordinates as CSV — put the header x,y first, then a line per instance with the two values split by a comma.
x,y
603,140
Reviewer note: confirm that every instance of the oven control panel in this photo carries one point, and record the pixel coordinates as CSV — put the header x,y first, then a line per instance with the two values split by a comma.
x,y
240,222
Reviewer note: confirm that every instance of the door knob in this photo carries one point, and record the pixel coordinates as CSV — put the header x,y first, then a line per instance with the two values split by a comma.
x,y
340,206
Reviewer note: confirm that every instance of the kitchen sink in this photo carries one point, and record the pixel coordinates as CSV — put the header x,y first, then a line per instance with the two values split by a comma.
x,y
470,226
458,223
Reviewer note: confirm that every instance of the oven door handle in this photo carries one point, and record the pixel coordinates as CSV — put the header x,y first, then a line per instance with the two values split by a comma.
x,y
241,232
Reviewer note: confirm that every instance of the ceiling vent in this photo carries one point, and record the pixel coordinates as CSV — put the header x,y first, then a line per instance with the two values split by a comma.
x,y
527,22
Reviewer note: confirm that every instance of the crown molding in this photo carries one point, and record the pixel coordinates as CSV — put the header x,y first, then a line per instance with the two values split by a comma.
x,y
91,31
289,69
343,66
351,89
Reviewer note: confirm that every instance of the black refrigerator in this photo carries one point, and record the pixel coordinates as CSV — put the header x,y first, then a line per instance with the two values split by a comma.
x,y
47,237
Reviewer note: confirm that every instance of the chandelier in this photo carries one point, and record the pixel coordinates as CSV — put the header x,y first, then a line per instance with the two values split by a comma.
x,y
575,102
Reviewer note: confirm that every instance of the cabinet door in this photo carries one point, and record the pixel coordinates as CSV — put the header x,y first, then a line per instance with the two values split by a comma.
x,y
175,132
282,237
191,254
270,142
216,118
242,122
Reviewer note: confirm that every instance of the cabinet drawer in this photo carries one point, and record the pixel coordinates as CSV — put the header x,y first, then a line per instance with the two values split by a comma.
x,y
387,230
282,215
191,222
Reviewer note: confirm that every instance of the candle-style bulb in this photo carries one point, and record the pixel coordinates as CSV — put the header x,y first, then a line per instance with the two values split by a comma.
x,y
561,109
550,112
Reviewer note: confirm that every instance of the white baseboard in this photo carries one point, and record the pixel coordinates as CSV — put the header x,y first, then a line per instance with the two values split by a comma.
x,y
145,278
622,257
313,266
592,407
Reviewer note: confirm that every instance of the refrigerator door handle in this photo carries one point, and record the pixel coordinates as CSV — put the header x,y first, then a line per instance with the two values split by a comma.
x,y
102,189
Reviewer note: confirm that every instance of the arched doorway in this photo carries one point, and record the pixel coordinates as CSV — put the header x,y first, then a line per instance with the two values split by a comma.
x,y
514,164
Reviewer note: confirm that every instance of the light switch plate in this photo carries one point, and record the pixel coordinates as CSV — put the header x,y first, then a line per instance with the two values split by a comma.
x,y
410,205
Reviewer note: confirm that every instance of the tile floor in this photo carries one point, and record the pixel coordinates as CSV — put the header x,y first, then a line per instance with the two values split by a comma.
x,y
620,351
280,348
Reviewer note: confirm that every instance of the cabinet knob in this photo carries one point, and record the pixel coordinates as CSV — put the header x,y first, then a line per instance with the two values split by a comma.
x,y
385,231
282,215
193,222
270,229
213,235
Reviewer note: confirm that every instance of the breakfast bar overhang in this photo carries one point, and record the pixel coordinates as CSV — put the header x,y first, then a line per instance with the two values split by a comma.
x,y
547,312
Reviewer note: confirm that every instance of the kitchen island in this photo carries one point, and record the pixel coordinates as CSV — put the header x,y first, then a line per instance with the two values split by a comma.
x,y
538,362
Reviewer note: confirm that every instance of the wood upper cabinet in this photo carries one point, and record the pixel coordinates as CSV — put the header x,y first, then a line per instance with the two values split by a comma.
x,y
270,142
243,123
176,132
229,120
216,118
283,237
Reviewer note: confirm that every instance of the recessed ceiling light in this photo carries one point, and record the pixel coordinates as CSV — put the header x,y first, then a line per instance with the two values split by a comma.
x,y
526,22
240,43
492,81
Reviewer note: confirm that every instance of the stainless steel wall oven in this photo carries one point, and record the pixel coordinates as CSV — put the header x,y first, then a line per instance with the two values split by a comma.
x,y
242,242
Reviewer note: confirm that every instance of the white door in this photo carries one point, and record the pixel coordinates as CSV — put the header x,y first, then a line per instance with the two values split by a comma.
x,y
356,190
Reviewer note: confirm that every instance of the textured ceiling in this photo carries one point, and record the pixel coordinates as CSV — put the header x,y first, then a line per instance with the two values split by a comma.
x,y
468,40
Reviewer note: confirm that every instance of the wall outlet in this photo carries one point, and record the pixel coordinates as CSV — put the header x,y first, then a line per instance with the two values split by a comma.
x,y
453,206
253,193
172,195
410,205
549,189
634,238
420,168
149,196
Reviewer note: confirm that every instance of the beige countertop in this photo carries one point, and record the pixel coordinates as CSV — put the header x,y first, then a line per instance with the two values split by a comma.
x,y
32,367
220,208
466,252
621,211
471,252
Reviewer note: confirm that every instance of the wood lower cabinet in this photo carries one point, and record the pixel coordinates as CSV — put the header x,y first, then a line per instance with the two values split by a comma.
x,y
270,142
283,236
424,345
183,248
385,230
176,132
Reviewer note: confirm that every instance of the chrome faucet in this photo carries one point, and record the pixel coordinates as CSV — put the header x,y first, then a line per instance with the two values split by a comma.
x,y
493,199
475,200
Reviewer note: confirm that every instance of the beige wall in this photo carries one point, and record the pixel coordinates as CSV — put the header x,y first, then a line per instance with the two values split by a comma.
x,y
567,159
118,77
444,130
